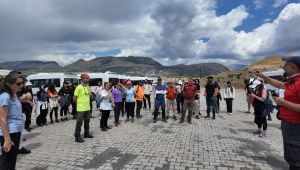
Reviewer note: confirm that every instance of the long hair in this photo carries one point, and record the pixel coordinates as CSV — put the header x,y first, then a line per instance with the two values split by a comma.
x,y
259,89
52,88
10,78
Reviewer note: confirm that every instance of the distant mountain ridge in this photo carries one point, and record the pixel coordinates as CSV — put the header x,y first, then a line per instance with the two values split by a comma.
x,y
138,66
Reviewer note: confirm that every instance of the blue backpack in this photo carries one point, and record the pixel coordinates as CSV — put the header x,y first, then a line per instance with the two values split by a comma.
x,y
269,107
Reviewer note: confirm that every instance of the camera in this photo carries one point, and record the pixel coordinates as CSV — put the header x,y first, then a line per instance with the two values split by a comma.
x,y
277,107
273,93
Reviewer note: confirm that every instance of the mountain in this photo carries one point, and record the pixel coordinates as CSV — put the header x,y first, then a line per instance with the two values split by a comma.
x,y
137,66
31,66
266,64
237,67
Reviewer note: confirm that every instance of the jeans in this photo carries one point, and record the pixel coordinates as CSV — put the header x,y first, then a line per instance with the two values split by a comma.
x,y
130,109
8,159
147,96
211,104
55,109
179,101
139,105
229,104
188,105
82,117
117,110
291,142
160,103
104,118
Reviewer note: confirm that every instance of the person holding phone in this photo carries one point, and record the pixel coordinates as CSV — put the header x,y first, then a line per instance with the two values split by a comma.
x,y
289,109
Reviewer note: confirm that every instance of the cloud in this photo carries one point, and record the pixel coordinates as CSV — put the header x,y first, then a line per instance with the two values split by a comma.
x,y
279,3
171,32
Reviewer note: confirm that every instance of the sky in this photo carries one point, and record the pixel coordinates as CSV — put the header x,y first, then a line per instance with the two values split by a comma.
x,y
171,32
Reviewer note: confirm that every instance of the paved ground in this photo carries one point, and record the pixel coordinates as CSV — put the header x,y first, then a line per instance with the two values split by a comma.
x,y
224,143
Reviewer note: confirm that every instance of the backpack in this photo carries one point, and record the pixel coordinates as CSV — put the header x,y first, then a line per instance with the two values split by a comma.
x,y
171,95
269,107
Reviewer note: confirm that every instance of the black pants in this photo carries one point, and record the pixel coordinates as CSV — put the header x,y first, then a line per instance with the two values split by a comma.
x,y
123,108
229,104
8,159
55,110
104,118
64,111
147,96
139,105
211,104
260,120
179,101
28,112
130,109
42,118
291,143
82,117
117,110
73,108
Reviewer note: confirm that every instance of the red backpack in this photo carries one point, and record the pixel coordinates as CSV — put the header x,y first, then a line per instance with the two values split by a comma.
x,y
171,95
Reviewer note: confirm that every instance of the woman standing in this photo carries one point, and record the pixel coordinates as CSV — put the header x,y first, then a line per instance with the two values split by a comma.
x,y
229,95
259,97
106,105
130,101
42,106
11,119
53,102
64,101
117,96
219,97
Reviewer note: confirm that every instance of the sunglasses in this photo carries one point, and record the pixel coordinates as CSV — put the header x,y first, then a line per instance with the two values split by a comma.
x,y
19,83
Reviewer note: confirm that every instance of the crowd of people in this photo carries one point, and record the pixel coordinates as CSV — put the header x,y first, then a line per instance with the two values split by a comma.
x,y
171,99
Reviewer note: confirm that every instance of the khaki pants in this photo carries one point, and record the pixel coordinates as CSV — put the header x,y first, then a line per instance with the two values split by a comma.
x,y
188,105
171,107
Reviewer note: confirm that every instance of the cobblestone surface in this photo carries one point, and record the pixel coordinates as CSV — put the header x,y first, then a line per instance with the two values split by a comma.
x,y
221,144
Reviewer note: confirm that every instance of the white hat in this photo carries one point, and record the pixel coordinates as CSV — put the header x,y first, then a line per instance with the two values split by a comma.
x,y
28,83
180,82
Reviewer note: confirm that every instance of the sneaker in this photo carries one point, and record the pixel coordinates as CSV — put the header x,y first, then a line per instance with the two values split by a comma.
x,y
197,117
56,120
103,129
79,140
214,117
262,134
66,119
230,113
51,121
107,127
132,120
168,117
248,111
257,132
207,117
138,116
189,122
199,113
24,151
28,129
116,124
181,121
62,119
88,136
154,120
127,120
164,120
174,117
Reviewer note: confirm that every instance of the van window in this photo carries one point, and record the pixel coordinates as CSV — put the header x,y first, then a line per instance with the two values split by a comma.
x,y
71,80
38,82
113,81
94,81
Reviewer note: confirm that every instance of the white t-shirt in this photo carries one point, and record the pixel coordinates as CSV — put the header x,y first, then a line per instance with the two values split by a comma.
x,y
98,90
106,103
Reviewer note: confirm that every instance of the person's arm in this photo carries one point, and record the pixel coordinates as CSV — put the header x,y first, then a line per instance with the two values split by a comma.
x,y
282,102
104,94
271,81
216,91
8,143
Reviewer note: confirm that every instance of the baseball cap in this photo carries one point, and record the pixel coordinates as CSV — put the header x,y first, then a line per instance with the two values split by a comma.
x,y
28,83
293,59
210,77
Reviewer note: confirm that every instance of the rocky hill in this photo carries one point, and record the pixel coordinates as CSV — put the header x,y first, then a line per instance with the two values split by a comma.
x,y
137,66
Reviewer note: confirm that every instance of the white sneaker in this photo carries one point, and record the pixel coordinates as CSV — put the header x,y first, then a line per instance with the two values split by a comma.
x,y
230,113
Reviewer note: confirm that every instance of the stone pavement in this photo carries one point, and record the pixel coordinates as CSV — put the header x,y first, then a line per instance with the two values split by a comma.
x,y
224,143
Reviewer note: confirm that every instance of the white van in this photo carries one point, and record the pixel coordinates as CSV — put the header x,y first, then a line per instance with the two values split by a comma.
x,y
51,78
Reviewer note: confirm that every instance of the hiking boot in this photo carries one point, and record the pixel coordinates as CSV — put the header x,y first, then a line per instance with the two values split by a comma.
x,y
79,140
197,117
24,151
88,136
263,134
257,132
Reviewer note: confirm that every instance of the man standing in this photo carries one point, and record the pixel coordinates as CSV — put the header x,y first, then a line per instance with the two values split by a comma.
x,y
139,97
211,92
189,92
289,109
147,91
82,100
159,93
197,99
